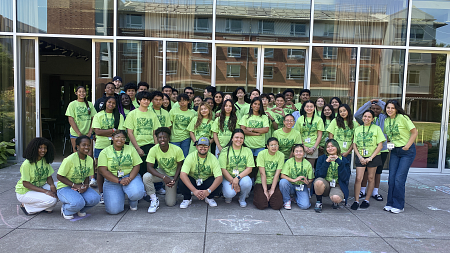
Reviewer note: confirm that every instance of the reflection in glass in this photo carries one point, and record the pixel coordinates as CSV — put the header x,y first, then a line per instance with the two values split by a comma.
x,y
381,22
171,19
28,78
103,66
7,118
6,16
284,20
89,17
430,23
424,105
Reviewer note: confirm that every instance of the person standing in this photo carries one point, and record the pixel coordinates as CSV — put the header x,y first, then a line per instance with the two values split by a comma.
x,y
305,95
163,115
180,117
224,125
341,129
109,92
287,136
117,80
131,90
201,125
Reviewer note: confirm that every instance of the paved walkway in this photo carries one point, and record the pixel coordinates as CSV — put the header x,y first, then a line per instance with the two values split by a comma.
x,y
423,227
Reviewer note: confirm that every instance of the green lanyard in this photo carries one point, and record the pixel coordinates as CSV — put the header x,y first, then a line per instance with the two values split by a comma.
x,y
346,130
236,158
198,165
364,135
391,125
81,167
42,164
309,125
112,120
118,157
295,175
334,170
160,113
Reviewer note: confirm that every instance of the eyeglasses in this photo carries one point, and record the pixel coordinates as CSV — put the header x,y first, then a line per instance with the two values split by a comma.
x,y
392,101
189,93
289,121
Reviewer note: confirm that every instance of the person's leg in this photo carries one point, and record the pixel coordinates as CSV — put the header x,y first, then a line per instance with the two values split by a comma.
x,y
35,202
363,184
246,187
406,159
185,145
72,200
227,190
393,167
336,194
371,181
134,191
143,166
185,191
114,197
149,181
259,198
91,199
302,198
358,180
72,141
207,184
379,171
286,189
171,194
276,200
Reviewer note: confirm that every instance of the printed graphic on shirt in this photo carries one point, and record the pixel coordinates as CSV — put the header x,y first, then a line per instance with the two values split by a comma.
x,y
126,161
255,124
270,168
40,175
107,123
393,132
144,126
82,113
166,163
181,121
162,120
79,173
285,142
344,134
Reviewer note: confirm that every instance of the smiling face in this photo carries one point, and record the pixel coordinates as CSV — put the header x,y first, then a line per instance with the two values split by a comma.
x,y
131,93
367,118
202,149
125,100
119,140
165,102
299,152
279,102
197,101
42,151
335,104
174,96
109,90
255,107
273,146
331,150
228,107
327,111
289,122
218,98
110,105
309,108
163,139
390,110
343,112
81,93
289,96
238,139
204,111
84,146
320,102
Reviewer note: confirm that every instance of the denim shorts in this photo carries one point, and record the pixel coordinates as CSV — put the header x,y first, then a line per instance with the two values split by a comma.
x,y
256,151
74,137
97,152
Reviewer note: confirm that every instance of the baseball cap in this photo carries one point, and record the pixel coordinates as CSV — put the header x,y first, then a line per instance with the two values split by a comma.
x,y
117,78
203,141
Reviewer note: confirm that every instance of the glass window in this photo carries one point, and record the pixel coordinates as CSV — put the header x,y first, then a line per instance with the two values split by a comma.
x,y
7,115
200,47
296,53
6,16
330,52
295,72
233,70
266,26
268,72
186,19
429,23
200,68
234,52
360,22
298,29
171,46
233,25
94,17
268,52
364,74
329,74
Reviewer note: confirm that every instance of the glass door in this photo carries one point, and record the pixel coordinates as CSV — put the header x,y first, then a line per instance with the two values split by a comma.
x,y
102,67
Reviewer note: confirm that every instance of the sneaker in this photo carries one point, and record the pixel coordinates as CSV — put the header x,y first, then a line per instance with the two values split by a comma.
x,y
378,197
185,204
147,198
242,203
387,208
365,204
67,217
228,201
396,210
287,205
361,194
211,202
355,206
318,207
102,201
133,208
161,191
93,183
81,214
153,206
335,205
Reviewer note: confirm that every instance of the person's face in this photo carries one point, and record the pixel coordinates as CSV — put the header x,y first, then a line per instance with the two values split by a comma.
x,y
367,118
197,101
157,101
165,102
255,106
218,98
174,96
84,146
304,96
109,90
254,94
309,108
320,102
279,102
299,153
163,139
81,93
331,150
390,110
183,103
117,83
273,146
202,149
168,91
141,88
272,98
343,112
42,150
111,104
227,96
119,140
240,94
238,139
210,103
335,104
289,96
126,101
376,109
289,122
204,111
131,93
327,111
228,107
190,93
145,102
265,101
207,94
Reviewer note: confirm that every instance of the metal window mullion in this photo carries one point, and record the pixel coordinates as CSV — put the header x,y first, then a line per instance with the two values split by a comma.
x,y
213,46
93,86
139,60
164,42
444,125
405,69
37,87
307,79
113,55
358,61
17,90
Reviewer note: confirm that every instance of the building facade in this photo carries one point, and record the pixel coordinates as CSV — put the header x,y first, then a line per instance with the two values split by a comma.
x,y
355,50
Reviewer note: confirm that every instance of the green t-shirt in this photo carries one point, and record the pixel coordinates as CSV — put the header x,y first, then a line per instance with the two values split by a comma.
x,y
332,172
166,161
225,135
197,167
241,158
298,106
325,133
135,103
34,173
255,122
79,112
177,105
318,113
287,140
204,130
271,164
163,117
128,159
294,169
367,138
279,117
143,125
398,130
343,136
242,110
75,169
308,129
180,122
103,120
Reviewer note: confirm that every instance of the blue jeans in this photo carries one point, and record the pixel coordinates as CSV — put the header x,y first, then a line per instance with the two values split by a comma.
x,y
74,201
399,164
184,145
256,151
114,194
246,186
301,197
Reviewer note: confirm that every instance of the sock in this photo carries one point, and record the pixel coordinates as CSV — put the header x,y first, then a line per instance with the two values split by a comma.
x,y
366,200
363,190
375,191
319,198
153,197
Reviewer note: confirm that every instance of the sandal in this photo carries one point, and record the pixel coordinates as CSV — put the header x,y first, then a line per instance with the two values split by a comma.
x,y
361,194
378,197
24,210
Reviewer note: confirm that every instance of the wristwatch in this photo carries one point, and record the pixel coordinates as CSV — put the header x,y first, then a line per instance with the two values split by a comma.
x,y
238,177
209,191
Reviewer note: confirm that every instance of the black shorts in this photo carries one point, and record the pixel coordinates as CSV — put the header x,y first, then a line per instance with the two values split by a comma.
x,y
374,163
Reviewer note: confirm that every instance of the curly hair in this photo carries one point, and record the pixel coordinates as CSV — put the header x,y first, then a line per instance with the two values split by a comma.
x,y
162,130
31,153
200,116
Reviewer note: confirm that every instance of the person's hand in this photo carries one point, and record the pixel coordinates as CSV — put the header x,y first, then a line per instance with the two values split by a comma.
x,y
140,152
235,185
125,181
405,148
267,195
374,100
271,191
51,194
53,188
83,189
199,194
289,103
167,180
250,129
345,154
89,135
270,116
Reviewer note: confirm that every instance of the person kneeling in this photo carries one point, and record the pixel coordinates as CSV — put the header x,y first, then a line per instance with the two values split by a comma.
x,y
201,175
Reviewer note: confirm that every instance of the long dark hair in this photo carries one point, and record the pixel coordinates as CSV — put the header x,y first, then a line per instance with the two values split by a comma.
x,y
170,103
397,106
232,121
85,98
230,143
31,153
340,121
235,98
303,112
261,108
200,116
115,112
217,106
337,99
324,118
120,105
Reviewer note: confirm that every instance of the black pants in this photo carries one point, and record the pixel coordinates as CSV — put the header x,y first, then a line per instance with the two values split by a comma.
x,y
143,167
206,184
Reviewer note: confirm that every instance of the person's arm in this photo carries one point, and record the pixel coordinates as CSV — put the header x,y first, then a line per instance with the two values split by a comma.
x,y
90,129
134,142
107,174
274,122
216,140
133,174
192,135
411,140
177,173
377,150
362,109
330,135
249,131
227,175
74,125
262,173
78,187
185,178
274,182
217,181
360,157
154,137
261,130
104,132
283,176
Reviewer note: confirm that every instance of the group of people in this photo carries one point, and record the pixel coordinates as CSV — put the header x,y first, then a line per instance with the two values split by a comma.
x,y
220,145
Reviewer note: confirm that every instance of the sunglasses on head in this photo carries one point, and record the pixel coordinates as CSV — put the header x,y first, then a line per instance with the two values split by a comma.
x,y
392,102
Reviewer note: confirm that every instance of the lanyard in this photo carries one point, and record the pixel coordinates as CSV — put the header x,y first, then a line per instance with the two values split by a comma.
x,y
334,170
376,121
109,126
364,135
81,167
160,113
119,158
42,164
309,125
198,165
391,125
236,158
346,130
295,175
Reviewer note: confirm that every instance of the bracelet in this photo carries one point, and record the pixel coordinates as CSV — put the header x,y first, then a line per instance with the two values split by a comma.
x,y
164,177
73,184
119,181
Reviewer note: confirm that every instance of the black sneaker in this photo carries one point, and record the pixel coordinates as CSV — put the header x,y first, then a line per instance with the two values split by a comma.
x,y
147,198
318,207
355,206
361,194
365,204
335,205
378,197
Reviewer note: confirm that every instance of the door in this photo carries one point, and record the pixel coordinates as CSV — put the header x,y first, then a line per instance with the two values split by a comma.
x,y
103,66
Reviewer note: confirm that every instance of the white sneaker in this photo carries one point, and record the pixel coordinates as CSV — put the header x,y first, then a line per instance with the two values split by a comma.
x,y
93,183
67,217
228,201
161,191
154,206
133,208
81,214
185,204
242,202
102,201
287,205
211,202
387,208
396,210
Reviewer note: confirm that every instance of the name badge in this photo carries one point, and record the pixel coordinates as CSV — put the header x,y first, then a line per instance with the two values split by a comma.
x,y
299,188
120,173
344,144
199,182
326,138
390,145
333,183
308,140
236,172
365,152
110,138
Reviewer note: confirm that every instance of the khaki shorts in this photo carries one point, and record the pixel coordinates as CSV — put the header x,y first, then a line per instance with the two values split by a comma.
x,y
331,191
314,155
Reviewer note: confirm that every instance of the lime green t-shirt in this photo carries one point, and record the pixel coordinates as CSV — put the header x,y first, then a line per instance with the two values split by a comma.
x,y
398,130
318,113
255,122
287,140
293,169
225,135
242,110
343,136
240,159
180,122
163,117
75,169
325,133
271,164
166,161
367,138
279,118
198,168
79,112
143,125
204,130
111,158
34,173
135,103
103,120
308,128
332,172
177,105
298,106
